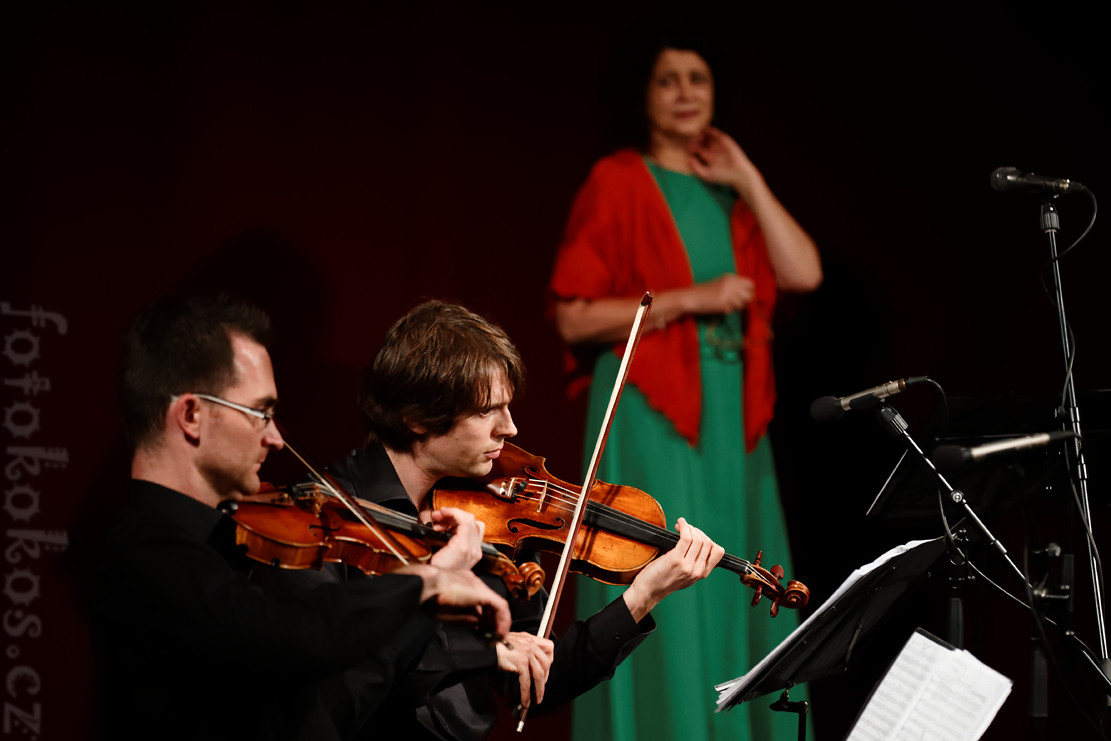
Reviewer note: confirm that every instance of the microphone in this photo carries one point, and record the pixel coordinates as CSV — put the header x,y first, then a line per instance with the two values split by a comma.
x,y
1010,180
948,457
829,408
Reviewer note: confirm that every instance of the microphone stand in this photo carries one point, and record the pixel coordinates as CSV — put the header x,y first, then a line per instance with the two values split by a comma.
x,y
960,571
889,417
1050,224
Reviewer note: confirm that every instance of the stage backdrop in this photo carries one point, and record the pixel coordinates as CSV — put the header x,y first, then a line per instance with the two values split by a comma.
x,y
338,164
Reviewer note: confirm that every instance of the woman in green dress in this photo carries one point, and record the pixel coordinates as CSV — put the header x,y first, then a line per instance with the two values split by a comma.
x,y
688,216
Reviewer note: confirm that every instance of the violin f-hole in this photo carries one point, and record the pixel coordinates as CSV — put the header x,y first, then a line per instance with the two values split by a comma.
x,y
513,525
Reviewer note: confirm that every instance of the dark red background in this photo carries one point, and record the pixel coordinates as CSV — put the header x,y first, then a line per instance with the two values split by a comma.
x,y
337,164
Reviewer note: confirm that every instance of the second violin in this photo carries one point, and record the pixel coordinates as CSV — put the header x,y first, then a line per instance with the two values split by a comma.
x,y
303,527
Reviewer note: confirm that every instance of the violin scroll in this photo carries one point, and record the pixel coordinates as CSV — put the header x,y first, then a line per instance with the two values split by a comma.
x,y
532,578
767,584
796,595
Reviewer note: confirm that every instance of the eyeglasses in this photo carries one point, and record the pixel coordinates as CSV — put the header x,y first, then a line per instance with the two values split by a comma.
x,y
264,415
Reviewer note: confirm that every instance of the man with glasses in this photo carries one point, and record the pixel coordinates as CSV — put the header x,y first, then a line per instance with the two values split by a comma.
x,y
187,648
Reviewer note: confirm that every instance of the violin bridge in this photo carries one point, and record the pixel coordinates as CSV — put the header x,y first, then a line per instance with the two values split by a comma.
x,y
543,496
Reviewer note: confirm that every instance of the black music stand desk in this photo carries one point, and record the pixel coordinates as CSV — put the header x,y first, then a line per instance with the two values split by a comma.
x,y
823,644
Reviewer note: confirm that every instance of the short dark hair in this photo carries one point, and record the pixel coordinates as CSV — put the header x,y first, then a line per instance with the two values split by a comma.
x,y
435,364
632,68
178,345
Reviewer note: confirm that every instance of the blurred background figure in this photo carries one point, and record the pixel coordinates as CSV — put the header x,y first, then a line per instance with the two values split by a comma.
x,y
683,212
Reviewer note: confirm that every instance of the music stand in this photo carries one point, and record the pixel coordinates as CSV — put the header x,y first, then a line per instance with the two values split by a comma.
x,y
911,489
823,644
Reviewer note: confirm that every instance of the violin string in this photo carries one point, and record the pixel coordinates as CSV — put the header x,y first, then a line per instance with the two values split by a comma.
x,y
564,499
403,521
626,524
362,517
567,503
572,497
636,524
629,523
624,518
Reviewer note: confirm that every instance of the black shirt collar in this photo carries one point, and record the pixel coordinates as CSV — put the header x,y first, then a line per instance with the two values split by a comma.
x,y
193,517
369,474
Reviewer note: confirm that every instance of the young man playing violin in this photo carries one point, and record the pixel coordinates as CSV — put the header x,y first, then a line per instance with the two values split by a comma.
x,y
436,403
187,647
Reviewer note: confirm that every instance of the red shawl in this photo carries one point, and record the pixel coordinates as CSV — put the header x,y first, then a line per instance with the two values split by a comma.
x,y
621,240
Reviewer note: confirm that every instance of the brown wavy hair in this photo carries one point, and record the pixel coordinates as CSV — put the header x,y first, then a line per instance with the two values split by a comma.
x,y
436,364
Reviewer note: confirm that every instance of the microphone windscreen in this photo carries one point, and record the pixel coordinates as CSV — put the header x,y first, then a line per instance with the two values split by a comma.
x,y
826,409
999,177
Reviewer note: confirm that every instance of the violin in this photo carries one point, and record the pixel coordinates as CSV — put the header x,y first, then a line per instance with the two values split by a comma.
x,y
304,526
623,530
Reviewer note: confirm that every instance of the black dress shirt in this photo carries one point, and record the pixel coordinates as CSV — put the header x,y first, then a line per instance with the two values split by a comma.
x,y
449,695
188,648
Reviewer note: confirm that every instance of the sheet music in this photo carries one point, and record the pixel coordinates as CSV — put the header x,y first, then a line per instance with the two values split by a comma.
x,y
727,691
932,691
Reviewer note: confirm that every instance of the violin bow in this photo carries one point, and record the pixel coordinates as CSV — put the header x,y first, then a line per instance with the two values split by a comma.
x,y
395,548
560,578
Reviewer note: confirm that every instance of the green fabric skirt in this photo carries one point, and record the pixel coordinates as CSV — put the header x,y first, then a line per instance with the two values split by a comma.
x,y
708,633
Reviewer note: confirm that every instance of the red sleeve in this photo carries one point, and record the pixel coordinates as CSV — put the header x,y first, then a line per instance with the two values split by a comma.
x,y
589,257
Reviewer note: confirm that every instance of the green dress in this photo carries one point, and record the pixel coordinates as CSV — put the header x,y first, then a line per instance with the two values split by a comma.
x,y
708,633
